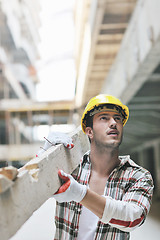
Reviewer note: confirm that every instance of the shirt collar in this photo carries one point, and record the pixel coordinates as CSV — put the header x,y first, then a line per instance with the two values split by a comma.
x,y
123,160
86,157
127,159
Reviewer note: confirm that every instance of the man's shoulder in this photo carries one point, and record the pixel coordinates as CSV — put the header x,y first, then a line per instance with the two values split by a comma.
x,y
137,169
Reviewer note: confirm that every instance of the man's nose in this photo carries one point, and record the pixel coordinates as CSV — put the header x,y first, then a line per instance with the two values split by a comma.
x,y
112,122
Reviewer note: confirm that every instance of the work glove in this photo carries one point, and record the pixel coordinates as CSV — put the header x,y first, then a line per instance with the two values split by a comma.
x,y
55,138
71,190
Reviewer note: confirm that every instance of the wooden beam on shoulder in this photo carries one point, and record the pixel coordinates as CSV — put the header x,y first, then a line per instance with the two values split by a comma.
x,y
36,182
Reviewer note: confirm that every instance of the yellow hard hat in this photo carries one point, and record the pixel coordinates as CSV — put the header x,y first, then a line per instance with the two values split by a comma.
x,y
103,102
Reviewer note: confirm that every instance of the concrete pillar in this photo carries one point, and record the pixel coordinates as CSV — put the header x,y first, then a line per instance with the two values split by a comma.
x,y
9,128
16,127
30,123
141,158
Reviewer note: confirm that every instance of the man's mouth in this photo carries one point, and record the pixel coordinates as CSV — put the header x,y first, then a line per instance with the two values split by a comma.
x,y
113,132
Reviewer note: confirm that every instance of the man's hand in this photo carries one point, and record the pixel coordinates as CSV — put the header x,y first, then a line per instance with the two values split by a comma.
x,y
71,190
55,138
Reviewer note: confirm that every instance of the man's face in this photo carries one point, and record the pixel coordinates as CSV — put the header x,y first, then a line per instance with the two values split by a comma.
x,y
107,129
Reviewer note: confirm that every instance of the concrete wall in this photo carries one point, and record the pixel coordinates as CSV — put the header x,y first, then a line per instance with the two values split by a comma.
x,y
139,52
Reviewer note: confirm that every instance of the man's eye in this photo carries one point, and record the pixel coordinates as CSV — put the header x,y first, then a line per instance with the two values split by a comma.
x,y
104,118
118,119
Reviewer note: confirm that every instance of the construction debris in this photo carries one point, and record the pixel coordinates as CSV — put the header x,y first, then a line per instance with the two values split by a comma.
x,y
9,172
7,176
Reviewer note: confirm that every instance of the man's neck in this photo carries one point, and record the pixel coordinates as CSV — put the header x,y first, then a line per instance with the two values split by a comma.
x,y
105,161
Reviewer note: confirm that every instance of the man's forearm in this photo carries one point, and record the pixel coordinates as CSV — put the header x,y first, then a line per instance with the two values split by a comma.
x,y
123,215
94,202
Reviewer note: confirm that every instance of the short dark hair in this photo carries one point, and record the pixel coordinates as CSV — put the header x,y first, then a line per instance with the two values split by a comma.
x,y
89,123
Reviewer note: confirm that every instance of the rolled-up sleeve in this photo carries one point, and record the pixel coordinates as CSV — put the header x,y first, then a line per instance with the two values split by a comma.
x,y
131,211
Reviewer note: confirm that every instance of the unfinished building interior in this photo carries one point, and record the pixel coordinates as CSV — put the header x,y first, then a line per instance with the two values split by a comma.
x,y
117,51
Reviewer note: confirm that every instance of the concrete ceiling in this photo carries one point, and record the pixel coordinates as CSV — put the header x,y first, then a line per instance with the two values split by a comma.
x,y
107,21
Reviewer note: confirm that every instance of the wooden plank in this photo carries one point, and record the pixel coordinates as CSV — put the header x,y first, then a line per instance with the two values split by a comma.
x,y
98,75
99,62
107,49
113,26
110,37
103,68
105,56
120,7
121,1
96,86
36,182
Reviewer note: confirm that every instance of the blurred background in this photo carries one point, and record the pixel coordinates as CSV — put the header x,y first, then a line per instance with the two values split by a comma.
x,y
56,55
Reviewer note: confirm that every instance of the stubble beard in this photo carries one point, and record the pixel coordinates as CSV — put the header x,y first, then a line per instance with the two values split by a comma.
x,y
102,146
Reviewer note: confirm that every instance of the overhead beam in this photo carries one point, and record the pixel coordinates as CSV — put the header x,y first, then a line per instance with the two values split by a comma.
x,y
107,49
104,67
155,77
94,84
113,26
98,75
13,105
139,53
96,12
139,128
145,99
36,182
147,106
152,113
120,7
110,37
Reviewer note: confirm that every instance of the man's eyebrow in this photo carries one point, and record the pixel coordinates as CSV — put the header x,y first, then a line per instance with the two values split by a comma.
x,y
116,114
107,114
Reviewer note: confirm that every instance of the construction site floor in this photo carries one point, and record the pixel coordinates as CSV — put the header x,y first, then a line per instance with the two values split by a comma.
x,y
41,224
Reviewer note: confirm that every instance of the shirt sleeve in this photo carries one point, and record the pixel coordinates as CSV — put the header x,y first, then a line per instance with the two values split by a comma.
x,y
131,211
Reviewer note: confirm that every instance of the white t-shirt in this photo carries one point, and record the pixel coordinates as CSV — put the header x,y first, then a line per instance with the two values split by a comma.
x,y
87,224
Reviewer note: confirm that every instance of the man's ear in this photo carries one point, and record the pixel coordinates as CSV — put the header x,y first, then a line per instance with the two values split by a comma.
x,y
89,132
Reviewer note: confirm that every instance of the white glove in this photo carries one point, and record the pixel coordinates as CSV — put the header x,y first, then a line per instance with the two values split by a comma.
x,y
71,190
56,138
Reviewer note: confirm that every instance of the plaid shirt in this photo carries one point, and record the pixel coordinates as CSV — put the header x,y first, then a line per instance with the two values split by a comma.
x,y
128,182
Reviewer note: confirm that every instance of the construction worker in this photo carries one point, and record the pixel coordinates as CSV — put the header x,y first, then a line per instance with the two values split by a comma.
x,y
108,195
